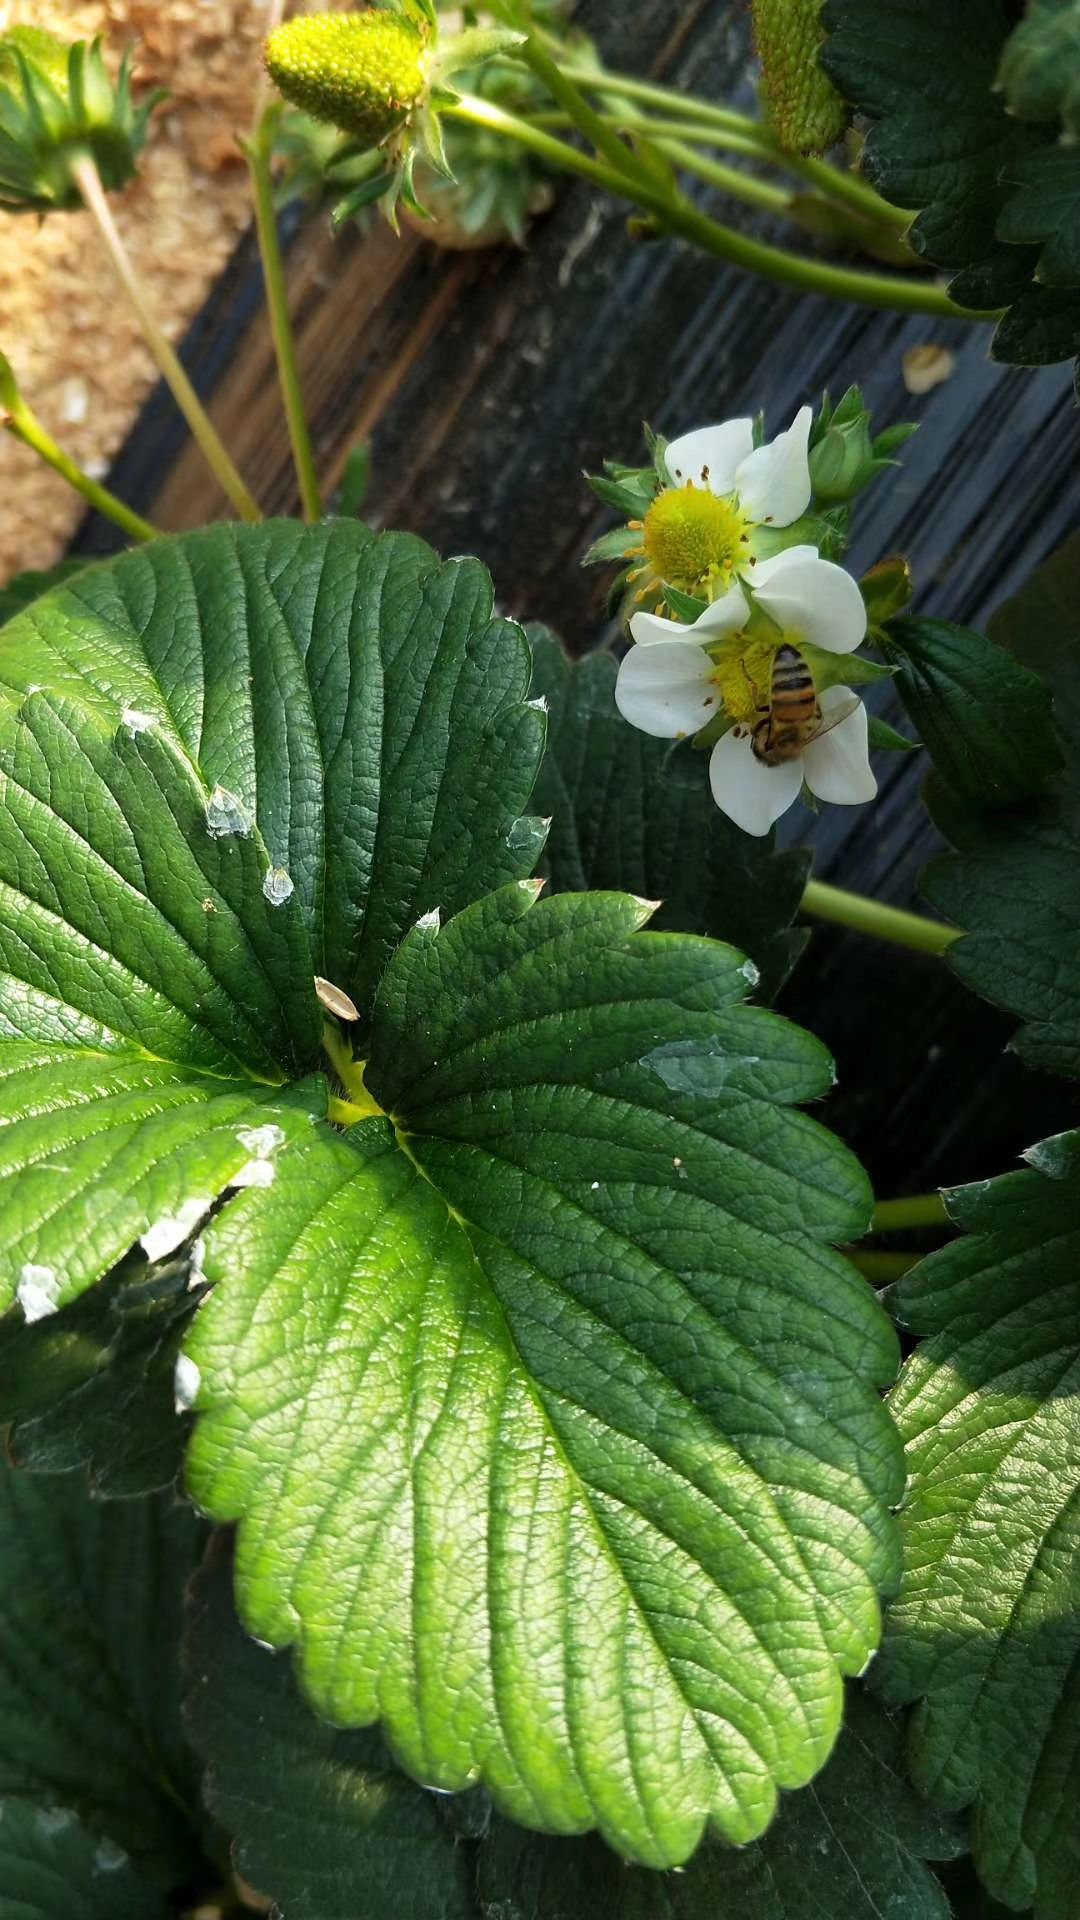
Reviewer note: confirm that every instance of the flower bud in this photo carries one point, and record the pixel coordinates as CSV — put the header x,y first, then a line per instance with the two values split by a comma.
x,y
363,72
804,107
842,456
57,102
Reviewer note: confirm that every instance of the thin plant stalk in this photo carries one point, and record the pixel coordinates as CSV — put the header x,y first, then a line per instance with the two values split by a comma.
x,y
881,1269
258,152
23,424
873,917
88,180
913,1210
724,243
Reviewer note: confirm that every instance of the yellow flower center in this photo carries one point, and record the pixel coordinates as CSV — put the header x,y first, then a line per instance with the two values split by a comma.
x,y
693,540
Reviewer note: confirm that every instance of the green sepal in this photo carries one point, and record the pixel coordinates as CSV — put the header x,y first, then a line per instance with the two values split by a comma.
x,y
842,669
54,109
611,546
624,496
685,606
885,739
471,48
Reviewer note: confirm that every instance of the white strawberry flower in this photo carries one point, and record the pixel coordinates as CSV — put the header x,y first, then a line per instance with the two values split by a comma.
x,y
706,529
670,685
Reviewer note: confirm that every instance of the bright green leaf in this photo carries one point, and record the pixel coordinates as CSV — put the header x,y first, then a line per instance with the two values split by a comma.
x,y
90,1613
547,1325
631,813
983,718
986,1631
26,587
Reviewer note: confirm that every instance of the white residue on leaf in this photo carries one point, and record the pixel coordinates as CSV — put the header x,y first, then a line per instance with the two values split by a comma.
x,y
186,1383
750,973
108,1856
277,886
170,1232
136,722
262,1143
226,814
539,705
196,1263
38,1292
533,887
52,1820
429,922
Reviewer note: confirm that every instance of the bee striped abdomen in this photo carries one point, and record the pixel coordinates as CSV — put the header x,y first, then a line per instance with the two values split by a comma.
x,y
793,714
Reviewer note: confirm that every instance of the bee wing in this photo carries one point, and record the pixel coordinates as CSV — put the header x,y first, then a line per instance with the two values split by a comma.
x,y
828,722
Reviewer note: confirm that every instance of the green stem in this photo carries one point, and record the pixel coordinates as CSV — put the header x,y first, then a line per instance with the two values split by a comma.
x,y
23,424
743,186
835,181
676,215
88,181
258,154
854,910
592,124
914,1210
881,1269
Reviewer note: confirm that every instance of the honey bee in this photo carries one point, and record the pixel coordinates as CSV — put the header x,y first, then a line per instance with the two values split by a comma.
x,y
793,717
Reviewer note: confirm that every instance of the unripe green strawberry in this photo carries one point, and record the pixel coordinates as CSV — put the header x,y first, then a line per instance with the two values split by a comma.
x,y
58,102
804,107
46,52
363,72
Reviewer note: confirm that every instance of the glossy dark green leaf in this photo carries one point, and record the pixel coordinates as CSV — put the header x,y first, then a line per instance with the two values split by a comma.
x,y
986,1632
94,1386
1044,210
943,140
53,1867
631,812
1040,65
90,1616
1012,884
984,719
323,1821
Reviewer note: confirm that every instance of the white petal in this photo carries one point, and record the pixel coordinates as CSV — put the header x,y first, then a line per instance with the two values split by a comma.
x,y
773,482
726,615
812,599
710,456
751,794
666,691
836,766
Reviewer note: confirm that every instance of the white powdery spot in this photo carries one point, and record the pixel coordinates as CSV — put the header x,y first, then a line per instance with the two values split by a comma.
x,y
196,1263
429,922
38,1292
186,1383
108,1856
136,722
170,1232
262,1143
226,814
750,973
52,1820
538,705
277,886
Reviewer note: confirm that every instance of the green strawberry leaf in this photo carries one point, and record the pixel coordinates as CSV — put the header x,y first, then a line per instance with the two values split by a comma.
x,y
326,1827
94,1386
575,1307
632,813
90,1612
1012,883
26,587
52,1867
324,1824
944,139
1044,210
541,1319
986,1631
1039,73
984,719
